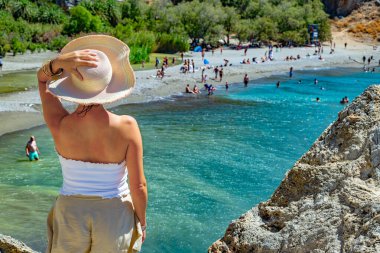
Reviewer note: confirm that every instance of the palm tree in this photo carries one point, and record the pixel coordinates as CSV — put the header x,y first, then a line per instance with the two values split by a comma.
x,y
21,9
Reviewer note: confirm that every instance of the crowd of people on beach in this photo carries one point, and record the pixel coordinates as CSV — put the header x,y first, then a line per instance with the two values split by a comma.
x,y
217,71
292,58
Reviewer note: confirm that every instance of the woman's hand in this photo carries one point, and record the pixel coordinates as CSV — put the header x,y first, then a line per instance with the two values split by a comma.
x,y
72,60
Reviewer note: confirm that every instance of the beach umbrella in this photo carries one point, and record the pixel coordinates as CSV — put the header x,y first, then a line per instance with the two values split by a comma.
x,y
205,61
198,49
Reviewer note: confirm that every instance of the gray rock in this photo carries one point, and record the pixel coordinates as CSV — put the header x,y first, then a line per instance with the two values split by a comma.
x,y
329,201
342,7
11,245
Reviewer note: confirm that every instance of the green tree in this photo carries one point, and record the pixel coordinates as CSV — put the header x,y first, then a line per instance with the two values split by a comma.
x,y
23,9
133,9
238,5
201,19
244,31
107,10
165,18
51,14
81,20
265,29
252,10
230,21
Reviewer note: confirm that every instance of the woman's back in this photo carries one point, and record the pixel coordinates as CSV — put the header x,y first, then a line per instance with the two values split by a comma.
x,y
102,202
96,136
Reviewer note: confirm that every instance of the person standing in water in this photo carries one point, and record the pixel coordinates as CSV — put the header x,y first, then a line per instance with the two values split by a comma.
x,y
246,80
31,149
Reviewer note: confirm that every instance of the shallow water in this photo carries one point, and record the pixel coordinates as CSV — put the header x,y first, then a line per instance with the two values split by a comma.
x,y
207,159
12,82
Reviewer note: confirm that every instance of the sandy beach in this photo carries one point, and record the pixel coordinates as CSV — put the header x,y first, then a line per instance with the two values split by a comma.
x,y
21,110
15,121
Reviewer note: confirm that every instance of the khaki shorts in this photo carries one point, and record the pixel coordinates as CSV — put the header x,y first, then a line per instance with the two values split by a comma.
x,y
81,224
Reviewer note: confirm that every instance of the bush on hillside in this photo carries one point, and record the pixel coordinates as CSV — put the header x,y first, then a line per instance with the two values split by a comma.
x,y
51,14
81,20
108,10
134,38
138,54
57,43
18,46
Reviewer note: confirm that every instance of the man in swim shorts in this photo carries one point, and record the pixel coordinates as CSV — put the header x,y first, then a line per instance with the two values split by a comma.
x,y
31,149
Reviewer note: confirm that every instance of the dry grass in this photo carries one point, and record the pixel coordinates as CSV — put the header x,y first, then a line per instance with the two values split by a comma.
x,y
372,29
361,23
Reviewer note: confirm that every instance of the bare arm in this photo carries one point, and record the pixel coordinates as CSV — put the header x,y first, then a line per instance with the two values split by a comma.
x,y
137,181
53,110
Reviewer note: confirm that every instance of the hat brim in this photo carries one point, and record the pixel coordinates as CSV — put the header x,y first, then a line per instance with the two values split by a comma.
x,y
123,78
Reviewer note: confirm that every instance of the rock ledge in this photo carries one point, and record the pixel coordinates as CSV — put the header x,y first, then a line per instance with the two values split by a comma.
x,y
11,245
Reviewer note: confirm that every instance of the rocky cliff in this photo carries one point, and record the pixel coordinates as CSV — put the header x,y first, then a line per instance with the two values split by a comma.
x,y
11,245
342,7
329,201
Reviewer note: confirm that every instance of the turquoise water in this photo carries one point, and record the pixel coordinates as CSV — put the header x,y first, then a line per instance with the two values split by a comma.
x,y
207,159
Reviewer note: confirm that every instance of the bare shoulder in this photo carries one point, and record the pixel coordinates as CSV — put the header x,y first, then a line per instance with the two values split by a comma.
x,y
127,120
128,126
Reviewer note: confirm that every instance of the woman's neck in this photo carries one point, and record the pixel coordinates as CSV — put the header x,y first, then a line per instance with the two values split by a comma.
x,y
82,110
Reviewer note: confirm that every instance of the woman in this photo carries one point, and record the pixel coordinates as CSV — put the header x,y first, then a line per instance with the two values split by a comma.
x,y
96,210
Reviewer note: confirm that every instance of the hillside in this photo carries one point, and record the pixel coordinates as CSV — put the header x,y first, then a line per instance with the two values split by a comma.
x,y
363,24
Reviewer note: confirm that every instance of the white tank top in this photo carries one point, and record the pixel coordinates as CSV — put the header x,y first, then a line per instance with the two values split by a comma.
x,y
106,180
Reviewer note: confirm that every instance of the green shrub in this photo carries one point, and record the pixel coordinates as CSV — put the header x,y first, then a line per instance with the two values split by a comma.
x,y
2,51
7,48
32,47
123,32
138,54
145,39
172,43
18,46
57,43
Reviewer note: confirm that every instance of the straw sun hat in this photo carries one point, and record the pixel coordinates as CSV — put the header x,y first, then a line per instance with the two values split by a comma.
x,y
111,80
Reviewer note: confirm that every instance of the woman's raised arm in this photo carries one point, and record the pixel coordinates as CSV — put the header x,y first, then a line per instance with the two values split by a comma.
x,y
53,110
